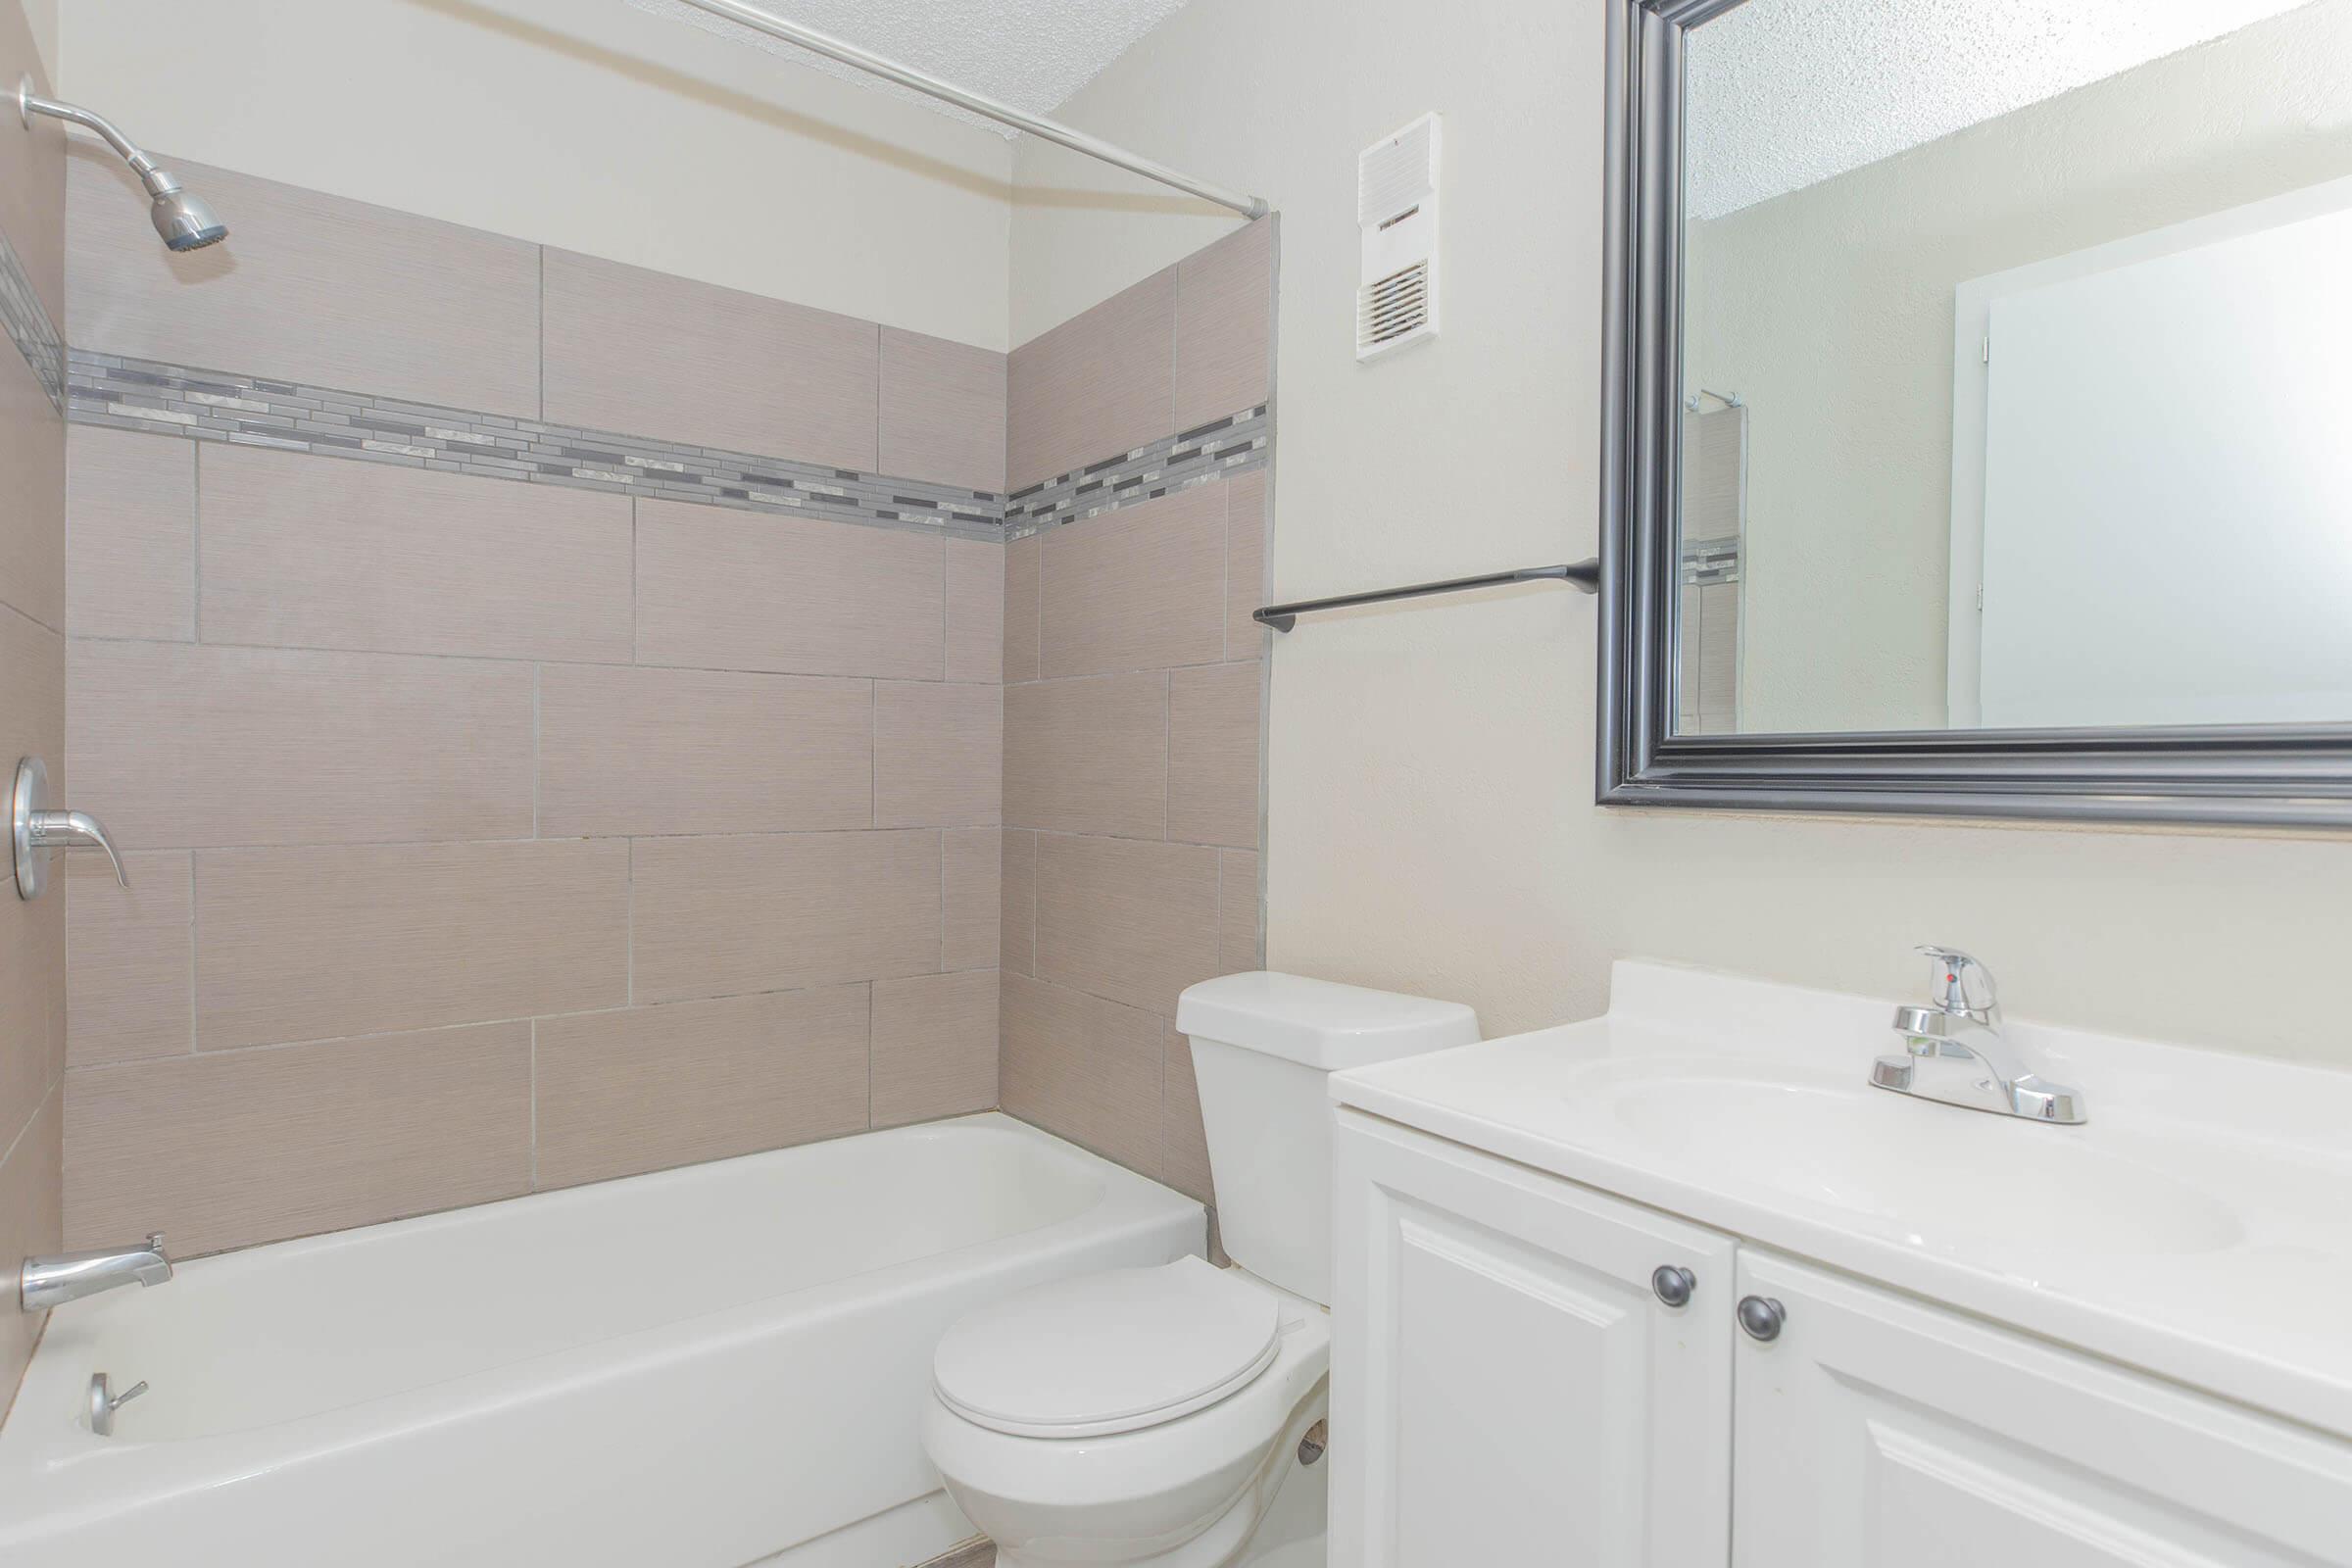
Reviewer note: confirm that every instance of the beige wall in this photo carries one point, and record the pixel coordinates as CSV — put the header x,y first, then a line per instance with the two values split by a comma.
x,y
1829,311
1132,713
32,936
1432,824
592,127
487,836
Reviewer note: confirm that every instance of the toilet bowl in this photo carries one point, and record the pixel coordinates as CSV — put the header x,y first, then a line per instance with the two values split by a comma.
x,y
1160,1417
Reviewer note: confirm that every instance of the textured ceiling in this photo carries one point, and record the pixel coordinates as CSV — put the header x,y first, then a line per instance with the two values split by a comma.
x,y
1786,93
1032,54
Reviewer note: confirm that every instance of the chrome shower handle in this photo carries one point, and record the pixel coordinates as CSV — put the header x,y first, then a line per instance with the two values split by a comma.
x,y
76,830
39,831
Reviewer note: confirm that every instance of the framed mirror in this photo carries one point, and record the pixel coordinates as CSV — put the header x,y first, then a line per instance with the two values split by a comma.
x,y
1979,409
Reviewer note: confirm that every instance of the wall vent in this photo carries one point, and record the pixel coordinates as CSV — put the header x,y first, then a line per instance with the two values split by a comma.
x,y
1397,208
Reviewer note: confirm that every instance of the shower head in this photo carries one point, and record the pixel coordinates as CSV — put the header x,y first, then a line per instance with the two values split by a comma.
x,y
184,221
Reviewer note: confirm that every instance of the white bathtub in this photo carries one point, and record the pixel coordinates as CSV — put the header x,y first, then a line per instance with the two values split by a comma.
x,y
701,1369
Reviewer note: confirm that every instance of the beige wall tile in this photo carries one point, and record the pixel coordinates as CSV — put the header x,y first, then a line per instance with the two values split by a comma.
x,y
646,1088
1212,753
975,634
32,523
1133,923
1183,1141
32,933
648,353
942,410
1225,326
939,754
255,1146
1021,609
185,744
32,214
32,1206
1099,384
1139,588
1016,931
130,973
973,898
302,552
1246,531
935,1047
719,916
730,590
310,944
1241,921
1082,1070
130,512
312,288
1088,756
690,751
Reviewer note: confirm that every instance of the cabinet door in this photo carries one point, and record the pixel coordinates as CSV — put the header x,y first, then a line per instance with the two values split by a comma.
x,y
1876,1430
1507,1387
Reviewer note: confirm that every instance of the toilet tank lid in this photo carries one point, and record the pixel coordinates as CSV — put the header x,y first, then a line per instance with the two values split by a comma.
x,y
1318,1023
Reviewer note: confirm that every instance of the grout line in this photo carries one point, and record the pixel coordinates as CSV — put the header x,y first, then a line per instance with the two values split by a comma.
x,y
524,659
543,420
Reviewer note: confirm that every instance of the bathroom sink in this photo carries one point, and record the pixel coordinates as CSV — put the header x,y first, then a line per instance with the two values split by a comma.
x,y
1950,1179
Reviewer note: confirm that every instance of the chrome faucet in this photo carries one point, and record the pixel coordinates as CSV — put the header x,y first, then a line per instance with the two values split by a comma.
x,y
1954,1050
47,1282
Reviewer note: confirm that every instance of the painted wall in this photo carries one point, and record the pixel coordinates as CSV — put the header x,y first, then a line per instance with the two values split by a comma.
x,y
592,127
1432,825
1829,311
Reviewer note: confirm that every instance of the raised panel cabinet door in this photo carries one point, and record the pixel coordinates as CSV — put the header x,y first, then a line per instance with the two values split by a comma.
x,y
1507,1386
1876,1430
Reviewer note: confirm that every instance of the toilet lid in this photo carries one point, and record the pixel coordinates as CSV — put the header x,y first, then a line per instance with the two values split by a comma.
x,y
1107,1353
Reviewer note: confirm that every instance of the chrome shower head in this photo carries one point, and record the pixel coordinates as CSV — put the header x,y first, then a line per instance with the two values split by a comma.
x,y
184,221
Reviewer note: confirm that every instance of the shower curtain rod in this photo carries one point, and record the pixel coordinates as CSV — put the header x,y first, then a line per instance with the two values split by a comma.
x,y
1003,113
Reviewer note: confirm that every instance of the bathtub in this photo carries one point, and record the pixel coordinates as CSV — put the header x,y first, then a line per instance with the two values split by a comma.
x,y
703,1368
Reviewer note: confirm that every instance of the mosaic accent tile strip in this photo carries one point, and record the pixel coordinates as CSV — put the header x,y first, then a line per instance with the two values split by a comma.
x,y
1218,450
1709,560
29,327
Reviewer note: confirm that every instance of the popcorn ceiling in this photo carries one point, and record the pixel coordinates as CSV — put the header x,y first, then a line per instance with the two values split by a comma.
x,y
1786,93
1032,54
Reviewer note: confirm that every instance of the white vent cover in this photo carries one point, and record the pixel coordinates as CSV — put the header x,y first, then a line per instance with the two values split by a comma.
x,y
1396,207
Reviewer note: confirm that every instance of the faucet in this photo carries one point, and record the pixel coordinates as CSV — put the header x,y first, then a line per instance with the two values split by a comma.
x,y
47,1282
1956,1051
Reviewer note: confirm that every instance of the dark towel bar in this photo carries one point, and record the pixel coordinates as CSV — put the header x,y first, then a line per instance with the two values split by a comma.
x,y
1582,574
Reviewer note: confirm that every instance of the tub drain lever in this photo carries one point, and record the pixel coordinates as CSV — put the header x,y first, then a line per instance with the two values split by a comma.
x,y
103,1406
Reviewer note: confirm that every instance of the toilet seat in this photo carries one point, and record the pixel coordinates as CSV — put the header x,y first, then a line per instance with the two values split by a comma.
x,y
1113,1352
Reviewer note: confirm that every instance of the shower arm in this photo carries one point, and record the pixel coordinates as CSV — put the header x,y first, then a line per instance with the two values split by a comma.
x,y
29,104
1003,113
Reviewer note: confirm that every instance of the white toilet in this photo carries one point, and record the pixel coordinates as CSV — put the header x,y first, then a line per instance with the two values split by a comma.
x,y
1155,1416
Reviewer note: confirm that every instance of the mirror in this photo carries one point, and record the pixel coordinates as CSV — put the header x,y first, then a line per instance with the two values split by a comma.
x,y
1993,362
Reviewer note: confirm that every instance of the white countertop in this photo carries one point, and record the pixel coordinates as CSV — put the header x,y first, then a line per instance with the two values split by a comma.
x,y
2198,1226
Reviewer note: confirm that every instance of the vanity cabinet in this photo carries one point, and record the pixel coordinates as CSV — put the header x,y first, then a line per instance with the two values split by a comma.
x,y
1509,1387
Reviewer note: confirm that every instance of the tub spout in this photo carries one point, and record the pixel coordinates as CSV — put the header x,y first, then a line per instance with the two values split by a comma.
x,y
47,1282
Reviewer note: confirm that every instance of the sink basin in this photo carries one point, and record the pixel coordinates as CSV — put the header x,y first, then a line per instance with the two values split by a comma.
x,y
1944,1178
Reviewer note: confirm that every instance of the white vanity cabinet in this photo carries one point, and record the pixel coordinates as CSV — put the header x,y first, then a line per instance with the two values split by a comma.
x,y
1509,1386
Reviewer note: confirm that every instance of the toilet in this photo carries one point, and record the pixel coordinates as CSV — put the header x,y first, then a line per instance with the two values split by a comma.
x,y
1172,1417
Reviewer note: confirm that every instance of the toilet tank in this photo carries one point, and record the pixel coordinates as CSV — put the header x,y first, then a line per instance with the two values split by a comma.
x,y
1263,1044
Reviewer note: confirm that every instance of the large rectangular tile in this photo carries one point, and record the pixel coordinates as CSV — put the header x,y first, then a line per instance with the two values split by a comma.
x,y
718,916
1212,753
645,352
975,634
312,287
935,1047
688,751
301,552
255,1145
1132,922
1082,1069
1225,326
942,410
1020,661
1088,756
130,515
638,1090
939,754
189,745
32,203
130,967
1183,1139
1016,931
32,932
1240,919
33,1207
731,590
32,524
971,902
1096,386
1139,588
309,944
1247,525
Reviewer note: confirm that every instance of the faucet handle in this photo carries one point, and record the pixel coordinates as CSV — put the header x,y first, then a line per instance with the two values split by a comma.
x,y
1962,983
